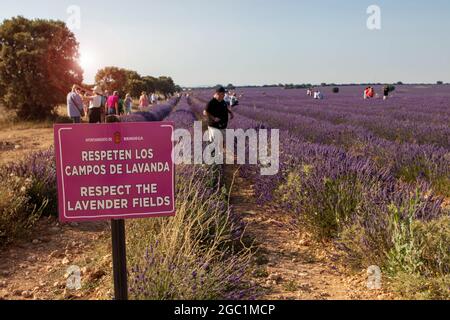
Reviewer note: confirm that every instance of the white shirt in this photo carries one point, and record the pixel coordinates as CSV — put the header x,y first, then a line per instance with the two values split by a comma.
x,y
96,102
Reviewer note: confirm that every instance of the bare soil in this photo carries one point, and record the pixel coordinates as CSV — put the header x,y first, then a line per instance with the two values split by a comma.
x,y
38,267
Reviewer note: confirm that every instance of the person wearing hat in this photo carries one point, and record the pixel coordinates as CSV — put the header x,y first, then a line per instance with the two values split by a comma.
x,y
95,105
218,114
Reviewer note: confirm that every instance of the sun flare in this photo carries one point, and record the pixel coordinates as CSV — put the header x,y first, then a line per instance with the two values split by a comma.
x,y
87,60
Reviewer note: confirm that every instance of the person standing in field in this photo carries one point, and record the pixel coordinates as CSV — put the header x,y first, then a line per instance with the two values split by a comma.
x,y
75,105
143,101
227,98
95,106
386,92
154,99
234,100
369,93
218,114
112,104
121,105
318,95
104,110
128,104
82,94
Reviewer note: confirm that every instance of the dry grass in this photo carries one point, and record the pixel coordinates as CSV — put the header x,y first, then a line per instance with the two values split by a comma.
x,y
9,121
19,138
189,256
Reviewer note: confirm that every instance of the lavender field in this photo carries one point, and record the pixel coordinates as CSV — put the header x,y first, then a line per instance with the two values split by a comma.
x,y
308,156
371,175
368,179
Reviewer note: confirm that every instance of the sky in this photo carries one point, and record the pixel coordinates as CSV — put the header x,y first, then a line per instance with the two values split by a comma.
x,y
255,42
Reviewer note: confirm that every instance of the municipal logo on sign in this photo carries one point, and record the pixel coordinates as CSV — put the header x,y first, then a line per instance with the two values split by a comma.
x,y
117,138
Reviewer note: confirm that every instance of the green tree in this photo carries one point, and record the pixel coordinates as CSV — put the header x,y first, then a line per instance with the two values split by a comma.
x,y
128,81
38,65
134,84
150,84
165,86
112,78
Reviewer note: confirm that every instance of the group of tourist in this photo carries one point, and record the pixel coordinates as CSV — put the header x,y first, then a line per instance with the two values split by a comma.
x,y
98,104
369,93
316,94
146,100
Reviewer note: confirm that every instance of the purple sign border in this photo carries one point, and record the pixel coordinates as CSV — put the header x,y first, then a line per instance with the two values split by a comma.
x,y
58,128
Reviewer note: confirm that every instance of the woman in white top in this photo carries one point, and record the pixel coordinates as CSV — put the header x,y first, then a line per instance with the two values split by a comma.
x,y
95,106
318,95
154,99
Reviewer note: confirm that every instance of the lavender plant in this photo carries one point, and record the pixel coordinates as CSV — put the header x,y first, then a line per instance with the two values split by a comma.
x,y
365,173
197,254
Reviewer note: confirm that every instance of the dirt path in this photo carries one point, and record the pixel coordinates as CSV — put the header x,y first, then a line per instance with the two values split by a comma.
x,y
289,264
37,268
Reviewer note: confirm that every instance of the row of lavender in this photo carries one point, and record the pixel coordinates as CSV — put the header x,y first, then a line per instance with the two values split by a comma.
x,y
401,125
409,117
407,161
194,255
369,193
154,113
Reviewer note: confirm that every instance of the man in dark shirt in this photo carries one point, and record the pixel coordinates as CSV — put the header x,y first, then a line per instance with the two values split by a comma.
x,y
386,92
218,115
217,111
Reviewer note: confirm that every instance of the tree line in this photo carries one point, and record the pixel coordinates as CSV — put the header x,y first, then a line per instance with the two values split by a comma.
x,y
39,64
129,81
